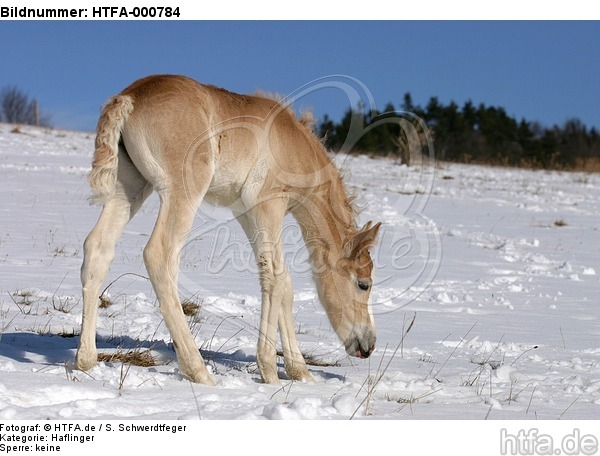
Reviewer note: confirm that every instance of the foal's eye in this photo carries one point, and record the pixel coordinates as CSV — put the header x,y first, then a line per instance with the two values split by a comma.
x,y
364,285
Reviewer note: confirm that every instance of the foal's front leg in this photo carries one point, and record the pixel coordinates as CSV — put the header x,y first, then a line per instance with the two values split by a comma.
x,y
272,288
262,224
295,365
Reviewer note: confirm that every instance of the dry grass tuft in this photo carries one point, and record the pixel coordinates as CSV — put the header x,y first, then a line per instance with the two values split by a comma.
x,y
134,357
68,333
25,296
191,307
60,250
312,361
105,302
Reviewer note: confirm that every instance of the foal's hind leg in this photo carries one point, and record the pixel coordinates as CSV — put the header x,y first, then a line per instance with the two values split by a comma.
x,y
161,256
99,251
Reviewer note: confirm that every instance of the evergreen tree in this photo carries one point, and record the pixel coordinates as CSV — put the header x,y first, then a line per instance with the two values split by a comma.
x,y
482,134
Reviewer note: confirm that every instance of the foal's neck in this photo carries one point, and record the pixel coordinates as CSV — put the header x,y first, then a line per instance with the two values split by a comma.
x,y
326,214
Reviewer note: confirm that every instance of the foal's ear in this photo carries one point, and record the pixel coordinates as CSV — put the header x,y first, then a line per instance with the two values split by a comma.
x,y
362,239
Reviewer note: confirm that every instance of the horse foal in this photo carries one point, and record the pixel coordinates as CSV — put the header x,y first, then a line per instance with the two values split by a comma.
x,y
191,143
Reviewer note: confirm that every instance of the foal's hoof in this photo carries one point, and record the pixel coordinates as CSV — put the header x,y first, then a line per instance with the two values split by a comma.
x,y
203,378
299,375
270,377
304,378
85,362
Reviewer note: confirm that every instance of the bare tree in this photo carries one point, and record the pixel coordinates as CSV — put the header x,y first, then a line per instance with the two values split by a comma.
x,y
17,107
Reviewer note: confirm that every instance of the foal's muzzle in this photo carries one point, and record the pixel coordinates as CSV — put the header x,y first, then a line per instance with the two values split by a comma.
x,y
361,343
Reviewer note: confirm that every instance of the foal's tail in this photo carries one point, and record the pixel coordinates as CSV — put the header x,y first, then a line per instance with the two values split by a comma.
x,y
103,176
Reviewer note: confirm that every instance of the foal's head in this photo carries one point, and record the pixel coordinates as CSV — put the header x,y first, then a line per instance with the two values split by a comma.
x,y
345,291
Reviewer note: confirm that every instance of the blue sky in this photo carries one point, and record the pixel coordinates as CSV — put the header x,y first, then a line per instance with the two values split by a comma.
x,y
543,71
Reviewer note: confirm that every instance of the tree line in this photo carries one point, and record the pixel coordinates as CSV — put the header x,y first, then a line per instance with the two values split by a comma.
x,y
469,134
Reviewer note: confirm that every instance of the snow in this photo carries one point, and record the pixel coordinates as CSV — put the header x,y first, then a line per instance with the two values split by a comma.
x,y
485,299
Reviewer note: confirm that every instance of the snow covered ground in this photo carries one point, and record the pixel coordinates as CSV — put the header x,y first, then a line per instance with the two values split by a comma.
x,y
486,299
